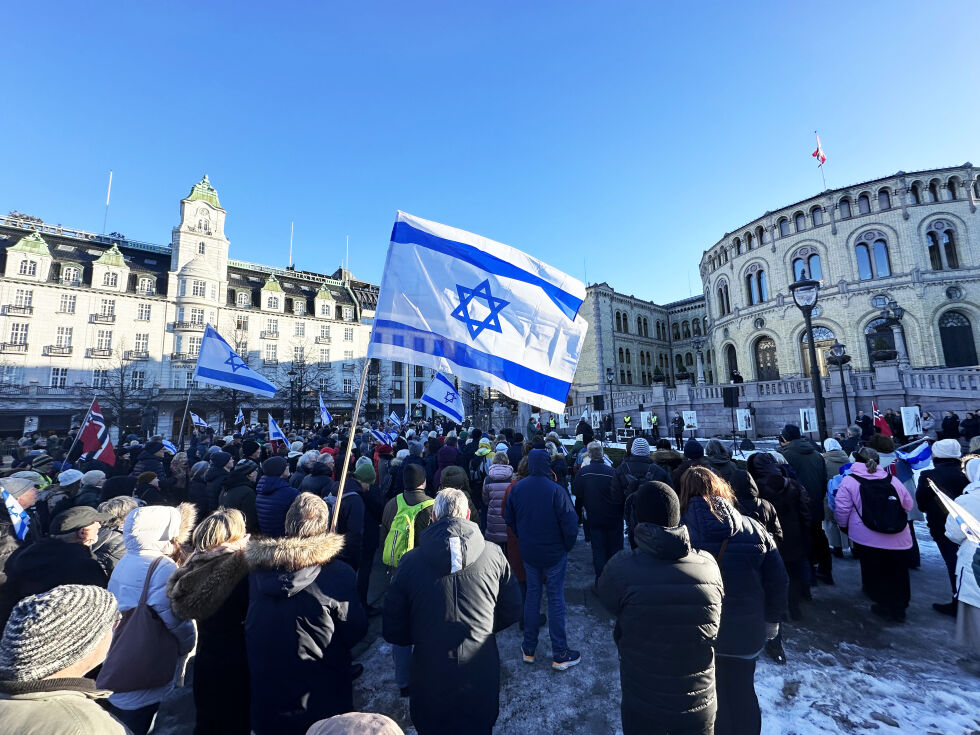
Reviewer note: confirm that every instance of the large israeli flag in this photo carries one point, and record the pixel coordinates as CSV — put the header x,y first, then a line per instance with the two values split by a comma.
x,y
219,364
441,395
484,311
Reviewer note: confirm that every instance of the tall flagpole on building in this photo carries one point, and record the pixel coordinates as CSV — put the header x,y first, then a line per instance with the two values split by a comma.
x,y
291,243
107,195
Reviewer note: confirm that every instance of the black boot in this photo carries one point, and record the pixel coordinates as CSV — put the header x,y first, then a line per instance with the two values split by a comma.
x,y
946,608
774,649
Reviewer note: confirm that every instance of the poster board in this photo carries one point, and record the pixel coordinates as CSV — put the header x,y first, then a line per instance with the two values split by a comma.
x,y
690,420
563,421
808,420
743,418
596,418
911,420
646,420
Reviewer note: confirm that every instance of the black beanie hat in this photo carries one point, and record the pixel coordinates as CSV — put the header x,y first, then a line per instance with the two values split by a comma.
x,y
274,466
249,447
413,477
791,432
657,503
220,459
693,449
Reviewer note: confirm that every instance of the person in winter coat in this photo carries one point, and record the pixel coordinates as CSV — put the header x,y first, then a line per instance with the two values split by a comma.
x,y
445,457
214,480
849,443
499,477
540,514
110,546
666,457
91,488
350,521
970,426
239,492
947,473
677,429
809,467
150,459
720,462
303,468
603,506
319,480
636,468
667,599
755,593
43,688
455,477
693,457
303,619
968,589
197,487
750,504
515,452
180,474
273,496
450,595
374,505
834,457
884,557
152,535
211,588
949,428
866,425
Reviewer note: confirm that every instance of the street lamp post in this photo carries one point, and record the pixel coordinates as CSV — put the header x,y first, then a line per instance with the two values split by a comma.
x,y
805,292
612,410
840,359
292,390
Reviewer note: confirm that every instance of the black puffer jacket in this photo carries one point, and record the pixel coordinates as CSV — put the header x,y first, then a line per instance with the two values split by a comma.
x,y
810,470
755,578
949,476
450,616
214,481
751,505
594,487
789,499
239,493
667,599
109,548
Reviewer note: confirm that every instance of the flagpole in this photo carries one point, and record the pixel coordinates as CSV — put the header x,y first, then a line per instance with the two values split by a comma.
x,y
183,418
350,445
823,176
82,426
107,195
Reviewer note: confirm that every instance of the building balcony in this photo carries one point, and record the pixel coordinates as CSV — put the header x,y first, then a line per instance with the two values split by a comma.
x,y
270,362
323,340
70,282
146,292
268,335
191,326
99,352
348,366
323,365
57,350
137,355
182,357
102,318
54,390
13,347
12,310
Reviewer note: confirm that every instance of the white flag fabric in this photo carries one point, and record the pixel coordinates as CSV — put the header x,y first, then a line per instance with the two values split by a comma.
x,y
393,418
486,312
275,433
325,417
219,364
969,525
198,421
441,395
240,418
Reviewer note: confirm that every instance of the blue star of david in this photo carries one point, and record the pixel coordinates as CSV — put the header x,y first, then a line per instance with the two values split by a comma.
x,y
475,326
450,397
231,361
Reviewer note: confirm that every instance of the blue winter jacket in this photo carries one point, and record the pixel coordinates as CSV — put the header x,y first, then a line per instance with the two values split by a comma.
x,y
273,496
541,515
755,579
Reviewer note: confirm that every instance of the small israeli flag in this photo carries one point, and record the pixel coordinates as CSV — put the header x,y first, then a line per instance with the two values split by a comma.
x,y
198,421
169,446
585,415
275,433
240,418
969,525
383,437
19,519
325,417
219,364
441,396
488,313
393,418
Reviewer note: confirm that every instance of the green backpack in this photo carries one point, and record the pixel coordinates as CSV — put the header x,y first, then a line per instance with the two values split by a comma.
x,y
401,535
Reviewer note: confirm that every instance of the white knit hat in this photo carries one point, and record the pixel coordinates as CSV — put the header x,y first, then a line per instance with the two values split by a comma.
x,y
947,449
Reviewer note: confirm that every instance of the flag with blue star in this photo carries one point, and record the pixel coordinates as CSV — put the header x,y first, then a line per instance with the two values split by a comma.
x,y
442,396
486,312
219,364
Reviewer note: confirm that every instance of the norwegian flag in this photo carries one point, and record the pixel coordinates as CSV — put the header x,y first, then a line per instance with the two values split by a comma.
x,y
879,420
94,436
819,154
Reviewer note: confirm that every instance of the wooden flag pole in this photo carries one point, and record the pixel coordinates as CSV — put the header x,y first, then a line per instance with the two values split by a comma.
x,y
183,419
79,433
350,445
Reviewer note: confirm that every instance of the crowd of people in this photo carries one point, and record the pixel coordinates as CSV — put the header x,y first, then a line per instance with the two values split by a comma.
x,y
231,564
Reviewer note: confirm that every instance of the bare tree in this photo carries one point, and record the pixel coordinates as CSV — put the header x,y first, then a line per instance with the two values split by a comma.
x,y
121,387
301,379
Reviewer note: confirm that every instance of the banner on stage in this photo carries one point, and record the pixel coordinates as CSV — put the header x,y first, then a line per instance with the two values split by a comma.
x,y
596,418
646,420
808,420
690,420
743,418
911,420
562,420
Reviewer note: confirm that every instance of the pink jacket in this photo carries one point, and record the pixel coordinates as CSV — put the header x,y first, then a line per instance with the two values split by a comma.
x,y
848,506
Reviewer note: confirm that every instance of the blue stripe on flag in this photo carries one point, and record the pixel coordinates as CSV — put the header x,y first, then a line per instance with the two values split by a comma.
x,y
403,233
229,378
443,379
440,406
466,356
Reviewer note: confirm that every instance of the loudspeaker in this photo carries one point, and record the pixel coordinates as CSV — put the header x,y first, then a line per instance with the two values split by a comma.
x,y
597,403
731,396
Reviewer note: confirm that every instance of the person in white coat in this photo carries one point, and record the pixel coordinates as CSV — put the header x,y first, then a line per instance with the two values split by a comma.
x,y
968,592
150,533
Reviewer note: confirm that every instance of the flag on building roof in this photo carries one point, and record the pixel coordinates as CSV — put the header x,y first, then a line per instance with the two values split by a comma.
x,y
325,417
94,436
879,420
198,421
275,433
441,395
819,154
219,364
488,313
918,457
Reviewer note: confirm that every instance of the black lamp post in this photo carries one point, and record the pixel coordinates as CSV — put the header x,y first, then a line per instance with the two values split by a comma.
x,y
838,357
292,391
805,292
612,411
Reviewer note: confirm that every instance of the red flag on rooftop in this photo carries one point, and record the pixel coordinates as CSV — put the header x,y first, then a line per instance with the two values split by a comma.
x,y
94,436
819,154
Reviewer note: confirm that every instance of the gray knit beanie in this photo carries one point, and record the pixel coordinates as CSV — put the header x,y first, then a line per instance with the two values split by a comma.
x,y
53,630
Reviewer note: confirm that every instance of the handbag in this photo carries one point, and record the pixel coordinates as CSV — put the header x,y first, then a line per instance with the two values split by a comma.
x,y
143,653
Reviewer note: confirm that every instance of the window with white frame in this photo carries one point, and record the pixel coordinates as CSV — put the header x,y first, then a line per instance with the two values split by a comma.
x,y
348,355
24,298
273,302
66,304
300,329
272,326
141,343
298,354
143,312
348,334
110,278
325,331
348,314
326,309
324,354
59,377
100,378
107,307
243,299
199,288
194,346
63,337
11,375
145,286
70,276
103,339
18,333
214,292
197,316
137,380
348,385
182,287
299,307
324,384
271,352
200,248
241,323
28,268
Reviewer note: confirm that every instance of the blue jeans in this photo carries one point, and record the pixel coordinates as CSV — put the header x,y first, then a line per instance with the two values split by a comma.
x,y
402,656
554,579
606,541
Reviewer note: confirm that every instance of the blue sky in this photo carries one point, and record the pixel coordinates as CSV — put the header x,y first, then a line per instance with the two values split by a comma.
x,y
621,138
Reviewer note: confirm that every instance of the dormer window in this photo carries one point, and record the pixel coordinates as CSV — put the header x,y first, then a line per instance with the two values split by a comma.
x,y
273,302
243,299
70,276
348,314
111,279
326,309
145,286
28,268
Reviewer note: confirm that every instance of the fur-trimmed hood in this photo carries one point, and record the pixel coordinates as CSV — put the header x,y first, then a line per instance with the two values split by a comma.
x,y
197,589
290,554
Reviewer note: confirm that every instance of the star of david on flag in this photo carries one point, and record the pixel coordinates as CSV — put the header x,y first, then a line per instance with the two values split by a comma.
x,y
441,396
240,418
219,364
394,418
198,421
459,303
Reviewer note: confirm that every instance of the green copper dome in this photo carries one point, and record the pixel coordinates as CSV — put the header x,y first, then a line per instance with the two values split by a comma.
x,y
272,284
203,191
112,256
32,243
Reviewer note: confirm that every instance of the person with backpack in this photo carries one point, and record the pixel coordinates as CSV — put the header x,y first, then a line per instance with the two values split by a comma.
x,y
637,468
404,518
603,509
871,507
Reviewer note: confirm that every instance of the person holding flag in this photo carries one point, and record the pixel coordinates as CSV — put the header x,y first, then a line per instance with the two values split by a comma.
x,y
963,529
275,433
198,422
881,424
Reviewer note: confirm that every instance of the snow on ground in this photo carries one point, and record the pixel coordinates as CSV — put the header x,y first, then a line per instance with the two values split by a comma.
x,y
847,673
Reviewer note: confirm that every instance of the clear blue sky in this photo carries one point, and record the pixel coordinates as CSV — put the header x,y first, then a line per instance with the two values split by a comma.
x,y
621,137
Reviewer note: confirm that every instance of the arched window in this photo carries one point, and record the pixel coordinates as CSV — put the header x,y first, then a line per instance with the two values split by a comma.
x,y
70,275
884,200
816,270
628,360
976,187
756,287
643,359
731,361
626,323
622,356
941,242
800,222
689,359
915,193
646,327
799,266
784,227
935,252
882,265
766,362
622,377
933,191
738,245
677,330
619,322
816,216
679,362
629,378
696,327
639,325
686,330
823,338
145,286
844,208
951,187
864,204
110,278
760,235
200,248
724,306
949,249
244,298
872,256
724,255
956,335
748,240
